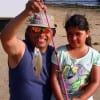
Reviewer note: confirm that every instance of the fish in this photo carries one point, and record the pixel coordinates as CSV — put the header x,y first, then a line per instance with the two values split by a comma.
x,y
37,61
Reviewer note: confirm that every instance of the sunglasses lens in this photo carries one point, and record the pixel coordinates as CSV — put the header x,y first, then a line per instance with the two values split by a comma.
x,y
46,30
36,29
41,29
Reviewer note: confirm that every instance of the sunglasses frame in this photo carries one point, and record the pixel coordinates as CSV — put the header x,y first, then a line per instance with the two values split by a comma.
x,y
41,29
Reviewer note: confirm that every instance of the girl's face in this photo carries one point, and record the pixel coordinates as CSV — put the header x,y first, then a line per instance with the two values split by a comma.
x,y
76,37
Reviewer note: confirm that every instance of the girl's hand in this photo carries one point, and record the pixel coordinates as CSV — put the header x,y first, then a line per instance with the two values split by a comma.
x,y
77,98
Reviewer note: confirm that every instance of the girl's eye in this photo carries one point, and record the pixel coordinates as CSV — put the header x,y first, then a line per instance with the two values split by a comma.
x,y
78,34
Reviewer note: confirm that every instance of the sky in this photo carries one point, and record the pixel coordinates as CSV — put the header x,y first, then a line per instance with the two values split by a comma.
x,y
11,8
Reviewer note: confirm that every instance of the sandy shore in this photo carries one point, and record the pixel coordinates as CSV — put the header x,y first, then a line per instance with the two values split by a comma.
x,y
60,13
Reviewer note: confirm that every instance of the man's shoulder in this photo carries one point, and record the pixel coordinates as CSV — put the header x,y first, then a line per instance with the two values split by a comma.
x,y
51,48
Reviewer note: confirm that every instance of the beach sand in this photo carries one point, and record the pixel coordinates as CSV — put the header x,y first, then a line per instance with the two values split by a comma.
x,y
60,13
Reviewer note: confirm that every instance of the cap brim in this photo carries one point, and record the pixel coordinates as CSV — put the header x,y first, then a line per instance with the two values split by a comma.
x,y
39,25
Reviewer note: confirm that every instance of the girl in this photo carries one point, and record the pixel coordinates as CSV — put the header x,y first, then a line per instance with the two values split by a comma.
x,y
80,63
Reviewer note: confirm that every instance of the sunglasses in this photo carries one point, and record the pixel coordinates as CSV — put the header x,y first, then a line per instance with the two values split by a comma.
x,y
41,30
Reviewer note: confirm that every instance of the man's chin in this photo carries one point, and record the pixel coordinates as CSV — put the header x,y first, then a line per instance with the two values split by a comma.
x,y
41,46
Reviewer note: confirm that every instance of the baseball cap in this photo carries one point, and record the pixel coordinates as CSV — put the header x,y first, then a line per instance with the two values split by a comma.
x,y
39,19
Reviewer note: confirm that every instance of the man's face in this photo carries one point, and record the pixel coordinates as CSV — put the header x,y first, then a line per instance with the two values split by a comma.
x,y
41,37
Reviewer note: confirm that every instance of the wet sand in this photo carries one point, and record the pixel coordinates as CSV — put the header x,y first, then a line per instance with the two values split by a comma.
x,y
60,13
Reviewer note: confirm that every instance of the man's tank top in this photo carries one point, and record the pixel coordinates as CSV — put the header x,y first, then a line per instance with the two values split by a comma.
x,y
23,82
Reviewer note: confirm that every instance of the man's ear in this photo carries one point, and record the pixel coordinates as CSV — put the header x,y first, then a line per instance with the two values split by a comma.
x,y
54,32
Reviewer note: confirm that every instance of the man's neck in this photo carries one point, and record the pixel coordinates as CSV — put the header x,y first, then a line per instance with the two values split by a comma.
x,y
43,50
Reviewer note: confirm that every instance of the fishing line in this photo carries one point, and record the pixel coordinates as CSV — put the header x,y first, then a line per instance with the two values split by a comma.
x,y
58,62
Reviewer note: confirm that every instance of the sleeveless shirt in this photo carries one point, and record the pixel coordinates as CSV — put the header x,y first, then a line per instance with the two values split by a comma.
x,y
23,82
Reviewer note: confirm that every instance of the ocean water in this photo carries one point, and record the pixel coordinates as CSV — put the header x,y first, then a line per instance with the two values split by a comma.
x,y
80,2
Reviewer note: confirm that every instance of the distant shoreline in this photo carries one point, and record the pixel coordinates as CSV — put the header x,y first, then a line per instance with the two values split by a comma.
x,y
74,2
74,5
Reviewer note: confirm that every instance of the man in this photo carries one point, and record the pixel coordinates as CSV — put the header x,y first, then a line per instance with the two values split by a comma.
x,y
28,80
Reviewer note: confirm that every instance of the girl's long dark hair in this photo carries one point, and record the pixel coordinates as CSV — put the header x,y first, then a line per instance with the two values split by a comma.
x,y
81,22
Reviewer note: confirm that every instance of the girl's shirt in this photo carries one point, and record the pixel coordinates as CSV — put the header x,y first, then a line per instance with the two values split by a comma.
x,y
76,71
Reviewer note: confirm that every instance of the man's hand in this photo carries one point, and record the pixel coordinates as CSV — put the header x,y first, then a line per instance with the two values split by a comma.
x,y
34,6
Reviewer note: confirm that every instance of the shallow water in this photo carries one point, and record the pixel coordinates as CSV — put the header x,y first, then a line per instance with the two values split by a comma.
x,y
80,2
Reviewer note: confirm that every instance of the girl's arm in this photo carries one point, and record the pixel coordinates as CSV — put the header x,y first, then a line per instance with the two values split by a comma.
x,y
55,84
94,84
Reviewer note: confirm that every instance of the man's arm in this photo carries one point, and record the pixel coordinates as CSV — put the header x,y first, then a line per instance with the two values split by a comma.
x,y
9,38
12,45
